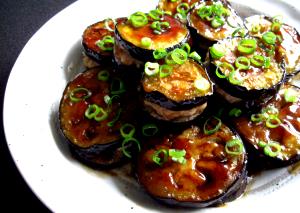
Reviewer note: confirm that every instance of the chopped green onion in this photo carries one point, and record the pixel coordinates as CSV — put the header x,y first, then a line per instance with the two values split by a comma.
x,y
242,63
174,0
138,19
146,42
181,17
217,22
258,60
103,75
159,53
151,68
267,62
179,56
212,122
290,95
177,155
277,19
106,43
235,112
279,38
130,141
165,70
117,86
234,147
195,56
273,121
186,47
272,149
160,27
247,46
101,115
262,144
156,14
127,130
270,110
109,100
149,130
202,84
275,27
106,24
79,94
235,78
92,111
205,12
223,70
256,118
115,119
183,8
156,157
269,38
255,28
169,60
217,51
239,32
271,50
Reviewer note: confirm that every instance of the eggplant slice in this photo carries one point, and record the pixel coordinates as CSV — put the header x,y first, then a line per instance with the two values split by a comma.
x,y
272,137
175,97
287,47
244,71
91,38
93,108
201,173
171,36
211,21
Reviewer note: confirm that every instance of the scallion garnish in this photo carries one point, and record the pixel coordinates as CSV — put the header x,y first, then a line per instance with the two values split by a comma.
x,y
117,86
156,14
127,143
160,26
160,156
195,56
186,47
273,121
217,22
151,69
79,94
275,27
223,70
235,78
106,43
269,38
103,75
106,24
146,42
239,32
216,51
256,118
138,19
181,17
272,149
115,119
165,70
149,130
96,112
202,84
242,63
235,112
234,147
257,60
177,155
247,46
183,8
127,130
159,53
290,95
212,125
101,115
205,12
261,144
179,56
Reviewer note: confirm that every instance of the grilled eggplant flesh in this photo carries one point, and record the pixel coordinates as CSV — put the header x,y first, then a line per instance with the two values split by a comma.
x,y
287,45
91,113
208,176
272,135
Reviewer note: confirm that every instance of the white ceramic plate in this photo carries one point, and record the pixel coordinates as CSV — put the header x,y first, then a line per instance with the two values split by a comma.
x,y
49,60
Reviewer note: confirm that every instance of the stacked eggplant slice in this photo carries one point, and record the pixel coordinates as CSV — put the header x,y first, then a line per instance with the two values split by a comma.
x,y
191,94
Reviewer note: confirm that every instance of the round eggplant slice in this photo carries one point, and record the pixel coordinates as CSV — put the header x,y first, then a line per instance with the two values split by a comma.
x,y
212,21
244,71
287,44
140,42
91,112
272,136
193,168
93,41
180,96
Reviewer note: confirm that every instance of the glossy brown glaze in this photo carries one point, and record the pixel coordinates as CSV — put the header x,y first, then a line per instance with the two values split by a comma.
x,y
171,37
204,29
94,33
287,134
168,5
288,49
208,173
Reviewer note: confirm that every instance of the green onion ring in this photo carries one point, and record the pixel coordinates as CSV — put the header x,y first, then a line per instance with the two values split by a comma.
x,y
235,78
157,159
183,8
273,121
186,47
257,60
214,129
151,69
247,46
262,144
195,56
103,75
205,12
92,111
216,51
77,91
149,130
275,27
106,24
156,14
179,56
138,19
106,44
159,53
234,147
217,22
101,115
242,63
146,42
269,149
127,130
129,140
221,70
269,38
165,70
256,118
116,118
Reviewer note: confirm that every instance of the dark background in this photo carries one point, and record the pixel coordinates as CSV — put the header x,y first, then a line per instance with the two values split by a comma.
x,y
19,20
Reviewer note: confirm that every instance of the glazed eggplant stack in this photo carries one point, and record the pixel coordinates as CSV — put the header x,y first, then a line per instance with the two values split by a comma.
x,y
191,94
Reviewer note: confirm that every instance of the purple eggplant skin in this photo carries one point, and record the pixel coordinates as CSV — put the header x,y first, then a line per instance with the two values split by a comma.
x,y
141,53
241,91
